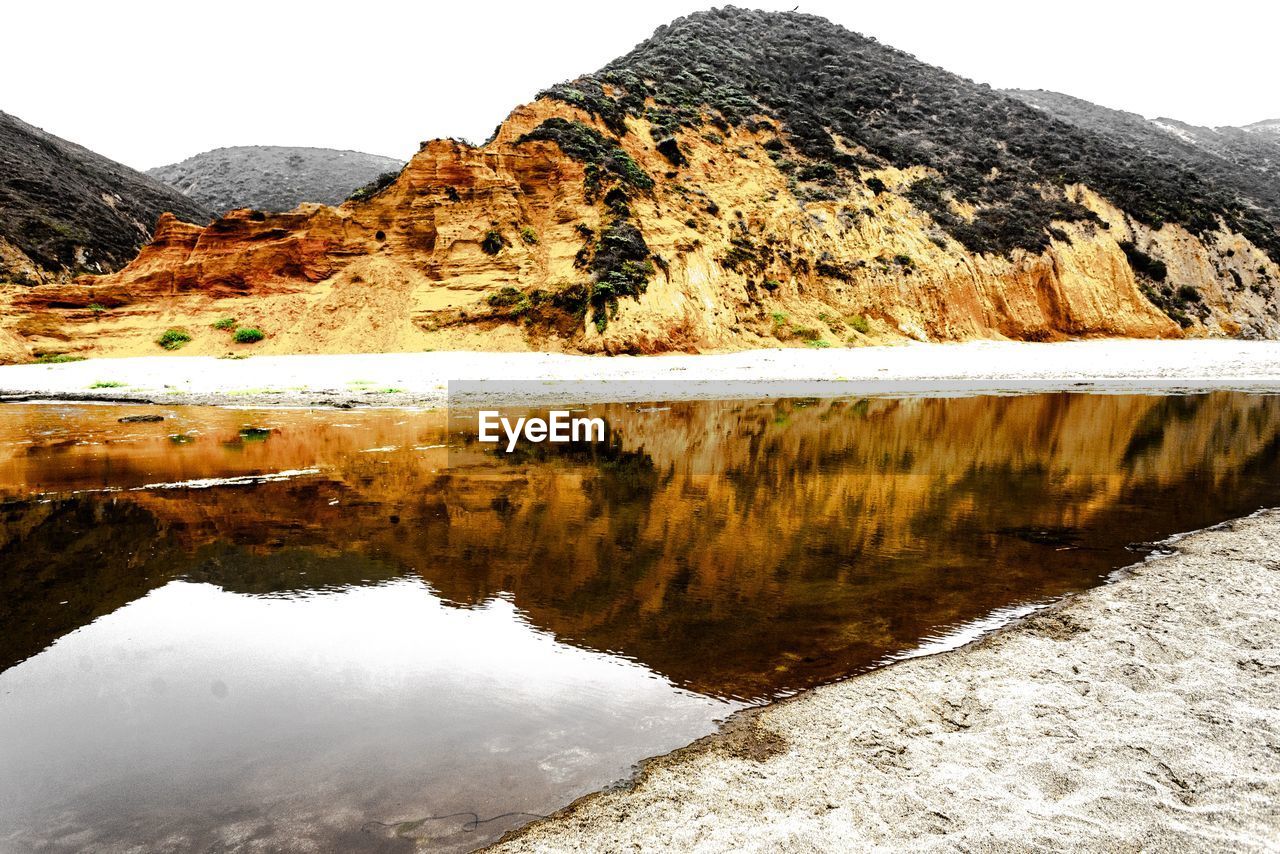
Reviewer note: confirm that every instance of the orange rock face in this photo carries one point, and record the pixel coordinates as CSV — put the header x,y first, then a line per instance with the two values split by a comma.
x,y
493,247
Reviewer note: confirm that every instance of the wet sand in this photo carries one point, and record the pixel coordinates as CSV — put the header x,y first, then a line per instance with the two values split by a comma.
x,y
421,379
1144,714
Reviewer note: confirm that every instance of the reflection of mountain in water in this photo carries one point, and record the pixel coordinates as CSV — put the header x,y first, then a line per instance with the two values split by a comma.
x,y
739,548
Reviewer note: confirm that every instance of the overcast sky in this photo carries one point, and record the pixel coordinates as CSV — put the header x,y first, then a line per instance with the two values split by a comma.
x,y
150,82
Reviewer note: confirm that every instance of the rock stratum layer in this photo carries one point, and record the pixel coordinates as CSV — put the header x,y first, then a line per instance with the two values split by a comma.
x,y
742,179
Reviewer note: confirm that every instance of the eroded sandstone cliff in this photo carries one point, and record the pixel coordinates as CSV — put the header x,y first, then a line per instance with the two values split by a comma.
x,y
602,224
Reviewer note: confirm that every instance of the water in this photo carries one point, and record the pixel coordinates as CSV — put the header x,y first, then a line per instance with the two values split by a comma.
x,y
291,629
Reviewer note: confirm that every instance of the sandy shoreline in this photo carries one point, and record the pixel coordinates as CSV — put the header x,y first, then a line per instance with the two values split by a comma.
x,y
421,379
1138,715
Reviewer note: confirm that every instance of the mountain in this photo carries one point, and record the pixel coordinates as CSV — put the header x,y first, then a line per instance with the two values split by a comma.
x,y
1246,160
65,209
740,179
1266,126
272,177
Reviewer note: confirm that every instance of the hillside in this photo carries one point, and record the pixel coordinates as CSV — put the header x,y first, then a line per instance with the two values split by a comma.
x,y
272,177
65,209
1246,160
740,179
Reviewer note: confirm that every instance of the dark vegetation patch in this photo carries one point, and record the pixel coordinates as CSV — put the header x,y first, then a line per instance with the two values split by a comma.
x,y
493,242
587,145
1143,264
1178,303
371,189
561,311
669,147
622,268
1227,157
1010,161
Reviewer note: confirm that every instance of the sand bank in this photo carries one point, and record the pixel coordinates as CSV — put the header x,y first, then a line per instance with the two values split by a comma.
x,y
421,378
1144,714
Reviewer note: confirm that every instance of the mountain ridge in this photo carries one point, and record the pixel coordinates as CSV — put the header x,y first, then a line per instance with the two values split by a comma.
x,y
1247,161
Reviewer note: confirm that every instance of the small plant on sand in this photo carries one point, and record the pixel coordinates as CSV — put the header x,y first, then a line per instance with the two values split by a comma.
x,y
859,323
56,358
528,235
173,339
107,384
820,344
97,308
248,335
225,324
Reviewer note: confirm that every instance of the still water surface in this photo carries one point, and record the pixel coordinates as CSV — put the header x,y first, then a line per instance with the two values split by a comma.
x,y
239,629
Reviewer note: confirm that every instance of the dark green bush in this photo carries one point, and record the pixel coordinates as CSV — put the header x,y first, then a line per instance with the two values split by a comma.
x,y
377,185
1144,264
493,242
1187,294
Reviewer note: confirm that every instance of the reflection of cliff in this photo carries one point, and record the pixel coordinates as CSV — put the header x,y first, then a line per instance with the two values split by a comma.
x,y
739,547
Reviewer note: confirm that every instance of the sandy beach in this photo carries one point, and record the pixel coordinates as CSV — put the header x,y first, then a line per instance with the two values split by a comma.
x,y
1140,715
421,379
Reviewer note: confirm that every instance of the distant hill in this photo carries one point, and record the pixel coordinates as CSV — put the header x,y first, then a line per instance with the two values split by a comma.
x,y
1266,126
1247,160
273,177
65,209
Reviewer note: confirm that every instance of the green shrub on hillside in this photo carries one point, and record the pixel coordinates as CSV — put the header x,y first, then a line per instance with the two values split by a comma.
x,y
173,339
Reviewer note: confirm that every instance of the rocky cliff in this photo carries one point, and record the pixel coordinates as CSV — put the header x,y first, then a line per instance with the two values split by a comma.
x,y
273,177
741,179
65,210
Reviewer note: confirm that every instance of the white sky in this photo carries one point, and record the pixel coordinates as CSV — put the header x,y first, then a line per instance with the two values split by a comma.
x,y
149,82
